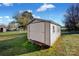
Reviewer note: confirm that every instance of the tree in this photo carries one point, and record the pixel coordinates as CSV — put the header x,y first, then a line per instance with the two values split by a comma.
x,y
72,18
23,18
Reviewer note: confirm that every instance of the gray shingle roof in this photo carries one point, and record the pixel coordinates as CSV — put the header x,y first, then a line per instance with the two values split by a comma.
x,y
42,20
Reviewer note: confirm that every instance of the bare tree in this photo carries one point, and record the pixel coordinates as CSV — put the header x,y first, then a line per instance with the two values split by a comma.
x,y
72,18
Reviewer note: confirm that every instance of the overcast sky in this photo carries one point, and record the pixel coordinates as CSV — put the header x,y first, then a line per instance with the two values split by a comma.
x,y
49,11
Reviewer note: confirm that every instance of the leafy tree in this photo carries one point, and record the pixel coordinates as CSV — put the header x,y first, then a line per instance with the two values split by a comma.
x,y
72,18
23,18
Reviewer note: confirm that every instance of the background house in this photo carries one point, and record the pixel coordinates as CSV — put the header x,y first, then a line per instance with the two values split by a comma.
x,y
3,28
43,32
13,26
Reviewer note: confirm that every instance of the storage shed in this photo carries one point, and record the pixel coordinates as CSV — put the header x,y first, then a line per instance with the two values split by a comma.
x,y
3,28
43,32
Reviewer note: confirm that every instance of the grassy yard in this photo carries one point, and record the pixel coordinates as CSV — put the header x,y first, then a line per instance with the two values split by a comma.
x,y
71,44
16,43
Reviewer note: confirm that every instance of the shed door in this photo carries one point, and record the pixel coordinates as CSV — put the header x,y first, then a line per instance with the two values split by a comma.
x,y
37,32
47,33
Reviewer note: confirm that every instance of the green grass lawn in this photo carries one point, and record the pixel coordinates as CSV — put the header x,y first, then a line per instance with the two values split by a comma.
x,y
17,44
71,44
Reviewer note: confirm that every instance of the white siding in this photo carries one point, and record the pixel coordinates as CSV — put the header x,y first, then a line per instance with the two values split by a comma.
x,y
43,32
36,32
47,33
54,35
4,29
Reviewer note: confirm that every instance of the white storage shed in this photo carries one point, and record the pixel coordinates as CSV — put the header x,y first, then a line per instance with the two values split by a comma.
x,y
44,32
3,28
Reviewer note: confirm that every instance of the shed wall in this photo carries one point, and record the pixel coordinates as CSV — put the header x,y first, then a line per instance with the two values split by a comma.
x,y
2,29
43,32
54,35
36,32
47,33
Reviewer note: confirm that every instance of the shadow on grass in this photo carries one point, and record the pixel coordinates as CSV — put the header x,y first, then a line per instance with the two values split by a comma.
x,y
17,46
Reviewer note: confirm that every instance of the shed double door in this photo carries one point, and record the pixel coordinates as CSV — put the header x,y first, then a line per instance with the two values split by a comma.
x,y
36,32
39,32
